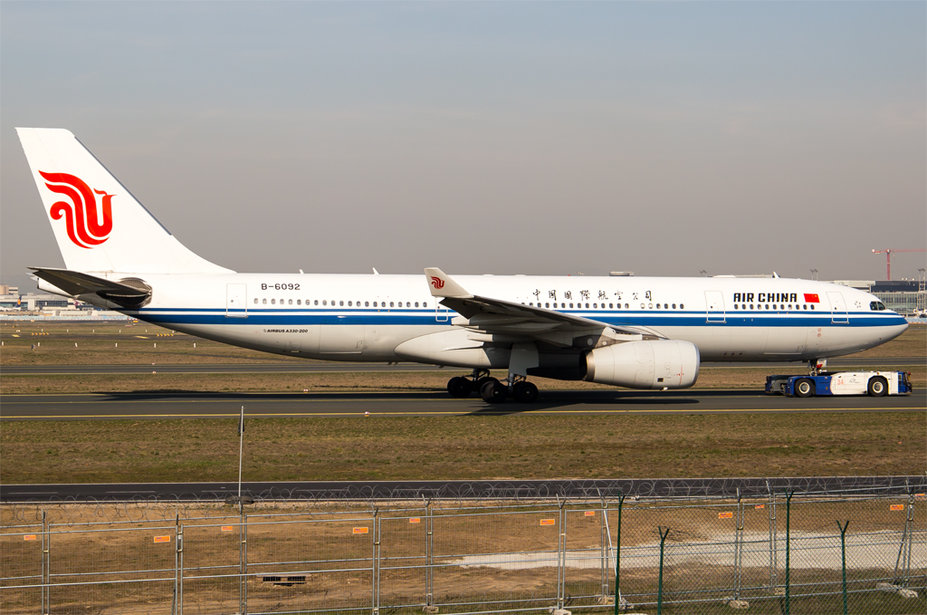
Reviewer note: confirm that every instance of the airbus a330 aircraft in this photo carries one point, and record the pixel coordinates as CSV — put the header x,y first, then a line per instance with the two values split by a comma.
x,y
637,332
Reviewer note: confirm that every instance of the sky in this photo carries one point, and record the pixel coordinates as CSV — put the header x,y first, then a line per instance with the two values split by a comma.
x,y
662,138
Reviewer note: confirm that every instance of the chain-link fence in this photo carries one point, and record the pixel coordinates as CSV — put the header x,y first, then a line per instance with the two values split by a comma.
x,y
783,553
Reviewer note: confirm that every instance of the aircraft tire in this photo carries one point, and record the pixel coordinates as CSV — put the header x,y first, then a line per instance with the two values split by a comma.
x,y
525,392
493,391
479,382
878,386
804,387
460,387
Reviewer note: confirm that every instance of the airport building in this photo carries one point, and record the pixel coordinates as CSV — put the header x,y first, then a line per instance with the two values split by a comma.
x,y
907,297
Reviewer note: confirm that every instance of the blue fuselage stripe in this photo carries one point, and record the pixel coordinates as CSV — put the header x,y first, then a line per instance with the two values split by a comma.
x,y
429,317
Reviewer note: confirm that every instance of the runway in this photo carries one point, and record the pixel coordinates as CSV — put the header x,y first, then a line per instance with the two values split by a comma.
x,y
184,405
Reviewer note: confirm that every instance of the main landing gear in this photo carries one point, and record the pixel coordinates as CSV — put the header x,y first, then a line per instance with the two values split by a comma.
x,y
493,390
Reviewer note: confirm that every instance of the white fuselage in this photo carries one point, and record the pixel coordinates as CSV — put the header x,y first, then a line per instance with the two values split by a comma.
x,y
365,317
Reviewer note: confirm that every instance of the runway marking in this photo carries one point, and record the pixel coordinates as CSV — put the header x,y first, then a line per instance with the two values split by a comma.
x,y
360,414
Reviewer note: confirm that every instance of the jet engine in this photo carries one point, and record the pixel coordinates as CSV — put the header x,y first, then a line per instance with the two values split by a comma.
x,y
650,364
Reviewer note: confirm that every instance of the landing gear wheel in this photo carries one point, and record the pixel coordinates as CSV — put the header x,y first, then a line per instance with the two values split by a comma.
x,y
525,392
493,391
479,382
878,386
458,386
804,387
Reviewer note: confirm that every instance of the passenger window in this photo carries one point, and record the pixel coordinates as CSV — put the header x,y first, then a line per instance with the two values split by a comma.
x,y
265,301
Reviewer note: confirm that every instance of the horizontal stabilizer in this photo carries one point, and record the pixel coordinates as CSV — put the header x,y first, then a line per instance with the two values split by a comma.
x,y
127,293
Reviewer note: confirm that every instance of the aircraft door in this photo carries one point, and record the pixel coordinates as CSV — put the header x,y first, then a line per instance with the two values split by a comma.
x,y
714,306
838,308
442,313
236,304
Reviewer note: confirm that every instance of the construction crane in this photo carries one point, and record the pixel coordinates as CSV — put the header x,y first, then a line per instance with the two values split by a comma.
x,y
888,259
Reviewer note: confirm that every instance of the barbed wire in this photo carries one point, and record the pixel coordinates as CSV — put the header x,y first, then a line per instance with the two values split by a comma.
x,y
148,502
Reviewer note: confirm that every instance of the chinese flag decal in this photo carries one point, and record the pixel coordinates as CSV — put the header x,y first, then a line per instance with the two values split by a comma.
x,y
812,298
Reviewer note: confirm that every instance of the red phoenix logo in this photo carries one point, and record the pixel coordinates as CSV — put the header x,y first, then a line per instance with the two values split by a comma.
x,y
88,224
437,282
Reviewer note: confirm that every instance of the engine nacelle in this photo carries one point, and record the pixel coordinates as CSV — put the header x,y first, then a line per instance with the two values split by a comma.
x,y
651,364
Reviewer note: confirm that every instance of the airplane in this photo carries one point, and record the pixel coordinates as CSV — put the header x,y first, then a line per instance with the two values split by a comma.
x,y
626,331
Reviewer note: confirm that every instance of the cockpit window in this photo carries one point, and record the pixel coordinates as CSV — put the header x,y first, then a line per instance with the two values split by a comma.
x,y
876,306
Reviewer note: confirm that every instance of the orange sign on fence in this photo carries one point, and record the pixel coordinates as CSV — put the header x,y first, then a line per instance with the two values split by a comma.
x,y
227,528
548,521
30,537
726,515
361,530
896,507
162,538
415,520
589,513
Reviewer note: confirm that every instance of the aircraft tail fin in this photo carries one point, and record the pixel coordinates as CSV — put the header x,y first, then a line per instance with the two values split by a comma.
x,y
100,227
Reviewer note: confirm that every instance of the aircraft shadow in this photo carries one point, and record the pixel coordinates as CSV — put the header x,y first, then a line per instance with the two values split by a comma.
x,y
547,398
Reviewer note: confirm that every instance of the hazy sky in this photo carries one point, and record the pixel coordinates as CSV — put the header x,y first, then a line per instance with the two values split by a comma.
x,y
661,138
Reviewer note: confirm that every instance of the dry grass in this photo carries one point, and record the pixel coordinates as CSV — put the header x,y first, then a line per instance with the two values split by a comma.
x,y
464,447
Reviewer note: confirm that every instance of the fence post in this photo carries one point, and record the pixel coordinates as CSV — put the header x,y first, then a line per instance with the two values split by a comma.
x,y
618,555
660,581
46,573
243,562
561,555
903,561
788,546
738,546
375,564
604,540
178,565
843,560
773,540
429,559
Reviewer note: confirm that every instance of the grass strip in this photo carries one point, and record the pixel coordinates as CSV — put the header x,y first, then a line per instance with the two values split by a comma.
x,y
464,447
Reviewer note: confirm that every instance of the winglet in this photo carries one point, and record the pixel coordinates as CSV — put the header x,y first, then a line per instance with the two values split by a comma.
x,y
442,285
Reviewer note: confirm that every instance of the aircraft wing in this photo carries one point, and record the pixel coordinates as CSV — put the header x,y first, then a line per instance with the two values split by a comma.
x,y
520,321
127,293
